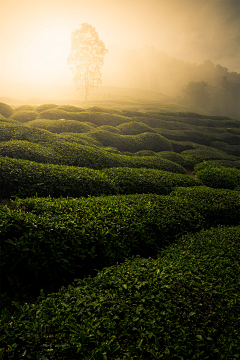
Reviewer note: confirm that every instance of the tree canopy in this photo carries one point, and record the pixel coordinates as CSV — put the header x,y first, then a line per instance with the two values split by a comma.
x,y
86,58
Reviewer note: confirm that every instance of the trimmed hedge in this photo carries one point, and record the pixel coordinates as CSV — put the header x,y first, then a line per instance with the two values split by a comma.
x,y
44,107
26,178
132,143
172,307
207,153
216,176
134,128
70,108
6,110
52,241
55,114
25,107
60,126
20,149
24,116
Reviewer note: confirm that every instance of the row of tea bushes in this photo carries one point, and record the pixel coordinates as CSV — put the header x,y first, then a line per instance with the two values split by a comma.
x,y
201,153
5,110
216,176
24,116
60,126
26,178
51,241
133,143
171,307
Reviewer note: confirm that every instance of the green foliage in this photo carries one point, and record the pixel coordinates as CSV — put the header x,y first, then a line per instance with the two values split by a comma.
x,y
207,153
134,128
145,153
48,240
25,108
184,305
44,107
109,128
59,126
13,131
24,116
70,108
26,178
104,109
20,149
217,176
132,143
55,114
5,110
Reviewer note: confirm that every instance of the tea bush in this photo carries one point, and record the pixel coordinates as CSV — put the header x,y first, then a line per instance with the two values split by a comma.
x,y
228,149
60,126
6,110
70,108
207,153
109,128
20,149
55,114
51,241
44,107
12,131
134,128
174,306
144,181
25,107
26,178
132,143
24,116
216,176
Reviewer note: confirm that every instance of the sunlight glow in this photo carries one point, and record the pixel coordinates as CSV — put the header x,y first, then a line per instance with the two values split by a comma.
x,y
43,55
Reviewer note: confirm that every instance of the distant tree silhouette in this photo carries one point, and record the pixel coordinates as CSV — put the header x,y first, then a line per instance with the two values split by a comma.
x,y
197,93
86,58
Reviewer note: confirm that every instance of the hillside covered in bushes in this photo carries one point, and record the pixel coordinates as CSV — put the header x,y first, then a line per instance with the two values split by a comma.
x,y
119,234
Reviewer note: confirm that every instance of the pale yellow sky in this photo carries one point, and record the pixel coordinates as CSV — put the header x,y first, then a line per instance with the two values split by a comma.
x,y
35,35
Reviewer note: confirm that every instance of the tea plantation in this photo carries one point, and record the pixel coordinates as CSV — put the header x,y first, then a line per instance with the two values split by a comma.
x,y
120,234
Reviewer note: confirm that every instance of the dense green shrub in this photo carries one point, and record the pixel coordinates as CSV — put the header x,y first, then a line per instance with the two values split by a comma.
x,y
172,307
207,153
80,138
59,126
24,116
2,118
20,149
44,107
228,149
25,108
13,131
217,176
172,156
144,181
108,128
26,178
55,114
134,128
132,143
180,146
5,110
145,153
70,108
104,109
50,241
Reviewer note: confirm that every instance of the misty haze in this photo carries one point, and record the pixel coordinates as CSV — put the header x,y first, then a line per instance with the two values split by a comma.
x,y
120,179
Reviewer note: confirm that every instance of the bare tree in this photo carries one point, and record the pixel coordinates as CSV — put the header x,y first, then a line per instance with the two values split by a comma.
x,y
86,58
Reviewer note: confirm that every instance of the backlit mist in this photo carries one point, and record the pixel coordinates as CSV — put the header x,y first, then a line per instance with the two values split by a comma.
x,y
153,44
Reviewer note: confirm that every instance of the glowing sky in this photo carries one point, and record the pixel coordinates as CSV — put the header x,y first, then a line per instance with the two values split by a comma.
x,y
35,35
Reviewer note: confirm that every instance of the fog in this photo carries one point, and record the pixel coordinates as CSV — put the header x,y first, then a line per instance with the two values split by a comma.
x,y
158,45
